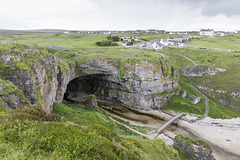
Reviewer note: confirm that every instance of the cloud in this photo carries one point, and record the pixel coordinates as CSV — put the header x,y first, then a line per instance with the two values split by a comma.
x,y
120,14
213,7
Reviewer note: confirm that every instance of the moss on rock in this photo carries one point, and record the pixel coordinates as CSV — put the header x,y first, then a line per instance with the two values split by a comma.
x,y
194,148
91,101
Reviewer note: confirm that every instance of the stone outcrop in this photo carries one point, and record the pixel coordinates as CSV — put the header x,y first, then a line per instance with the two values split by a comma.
x,y
184,94
200,71
138,84
228,98
33,71
194,148
194,98
11,97
144,84
91,101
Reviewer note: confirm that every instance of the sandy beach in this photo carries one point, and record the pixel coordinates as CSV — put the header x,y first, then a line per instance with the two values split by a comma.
x,y
222,134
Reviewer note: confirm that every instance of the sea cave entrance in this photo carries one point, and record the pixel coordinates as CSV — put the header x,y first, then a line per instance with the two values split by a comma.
x,y
80,87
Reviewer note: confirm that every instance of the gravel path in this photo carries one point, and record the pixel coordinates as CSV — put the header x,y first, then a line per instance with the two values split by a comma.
x,y
185,57
56,47
149,136
125,54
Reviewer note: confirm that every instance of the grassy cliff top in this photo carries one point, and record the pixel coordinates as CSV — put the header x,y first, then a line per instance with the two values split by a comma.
x,y
80,133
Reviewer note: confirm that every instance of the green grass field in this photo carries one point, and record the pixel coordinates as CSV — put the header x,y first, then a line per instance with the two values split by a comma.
x,y
231,42
216,109
209,58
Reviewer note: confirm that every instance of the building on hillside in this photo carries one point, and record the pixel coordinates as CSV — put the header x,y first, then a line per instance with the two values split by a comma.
x,y
166,42
160,31
151,31
172,32
179,40
221,34
207,32
237,31
140,31
181,45
129,39
180,33
157,45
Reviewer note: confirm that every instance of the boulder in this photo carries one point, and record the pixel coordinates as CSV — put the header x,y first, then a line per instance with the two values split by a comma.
x,y
184,95
194,148
91,101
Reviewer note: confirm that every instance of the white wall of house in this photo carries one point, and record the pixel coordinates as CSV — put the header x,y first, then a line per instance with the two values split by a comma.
x,y
156,46
209,33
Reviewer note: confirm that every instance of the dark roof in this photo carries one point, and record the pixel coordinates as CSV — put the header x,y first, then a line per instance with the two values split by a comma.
x,y
158,43
206,30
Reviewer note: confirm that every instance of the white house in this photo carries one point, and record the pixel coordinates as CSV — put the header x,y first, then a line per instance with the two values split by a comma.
x,y
157,45
151,31
237,31
161,31
166,42
181,45
207,32
129,39
181,33
221,34
172,32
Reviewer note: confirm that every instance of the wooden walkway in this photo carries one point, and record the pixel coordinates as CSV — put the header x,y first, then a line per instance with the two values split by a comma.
x,y
168,123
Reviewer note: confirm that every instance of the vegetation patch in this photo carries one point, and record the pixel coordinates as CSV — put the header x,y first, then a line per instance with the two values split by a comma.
x,y
81,133
8,88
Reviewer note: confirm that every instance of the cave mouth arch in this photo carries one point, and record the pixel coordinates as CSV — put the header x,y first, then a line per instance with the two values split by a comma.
x,y
79,88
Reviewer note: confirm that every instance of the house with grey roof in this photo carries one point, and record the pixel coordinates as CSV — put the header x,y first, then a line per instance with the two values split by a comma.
x,y
221,34
207,32
157,45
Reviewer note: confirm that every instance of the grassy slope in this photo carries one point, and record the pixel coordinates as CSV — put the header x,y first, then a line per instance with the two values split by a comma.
x,y
31,37
216,109
87,41
80,133
231,42
210,58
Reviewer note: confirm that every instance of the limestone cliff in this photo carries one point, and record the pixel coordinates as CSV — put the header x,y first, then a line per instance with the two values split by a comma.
x,y
194,148
200,71
33,71
138,83
226,97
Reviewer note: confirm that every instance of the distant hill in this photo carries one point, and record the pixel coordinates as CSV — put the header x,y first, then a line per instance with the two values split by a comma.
x,y
34,31
47,30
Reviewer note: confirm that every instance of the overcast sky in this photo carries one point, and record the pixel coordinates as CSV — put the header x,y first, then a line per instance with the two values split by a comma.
x,y
120,14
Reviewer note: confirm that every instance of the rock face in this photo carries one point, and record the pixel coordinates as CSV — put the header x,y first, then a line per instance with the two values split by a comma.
x,y
11,97
194,148
200,71
184,95
91,101
34,72
144,84
195,99
138,84
228,98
